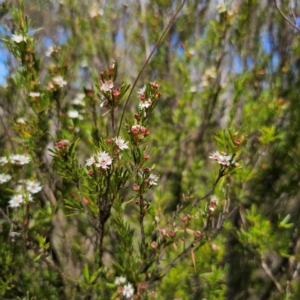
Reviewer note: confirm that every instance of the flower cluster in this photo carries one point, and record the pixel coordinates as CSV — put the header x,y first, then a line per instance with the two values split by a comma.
x,y
107,79
100,160
25,190
138,132
18,159
223,158
147,98
56,82
127,290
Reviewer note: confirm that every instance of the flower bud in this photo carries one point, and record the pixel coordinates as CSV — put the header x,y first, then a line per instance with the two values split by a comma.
x,y
171,233
136,187
154,85
146,156
116,93
154,244
85,201
162,231
135,129
237,142
198,235
62,143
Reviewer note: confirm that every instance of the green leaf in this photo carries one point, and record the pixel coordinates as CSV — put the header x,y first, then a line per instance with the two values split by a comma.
x,y
95,275
86,273
37,258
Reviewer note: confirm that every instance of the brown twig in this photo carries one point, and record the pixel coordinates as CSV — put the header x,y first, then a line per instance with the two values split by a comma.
x,y
148,59
6,217
285,17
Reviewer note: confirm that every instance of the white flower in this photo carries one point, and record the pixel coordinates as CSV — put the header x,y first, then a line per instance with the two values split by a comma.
x,y
33,187
215,155
3,160
128,290
90,161
211,73
21,121
34,94
74,114
106,86
214,200
18,38
145,104
103,160
58,80
95,10
221,159
4,178
16,200
79,100
120,280
19,159
121,143
142,90
152,180
52,49
49,51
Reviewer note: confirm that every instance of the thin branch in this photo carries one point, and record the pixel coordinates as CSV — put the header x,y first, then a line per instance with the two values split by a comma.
x,y
285,17
6,217
270,274
148,59
293,13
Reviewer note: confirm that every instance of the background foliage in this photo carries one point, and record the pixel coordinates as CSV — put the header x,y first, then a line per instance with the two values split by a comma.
x,y
221,66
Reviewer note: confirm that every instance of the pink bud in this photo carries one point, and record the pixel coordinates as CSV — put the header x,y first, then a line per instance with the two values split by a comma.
x,y
237,142
142,97
154,85
62,143
85,201
146,156
162,231
116,93
171,233
198,235
154,244
135,129
136,187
